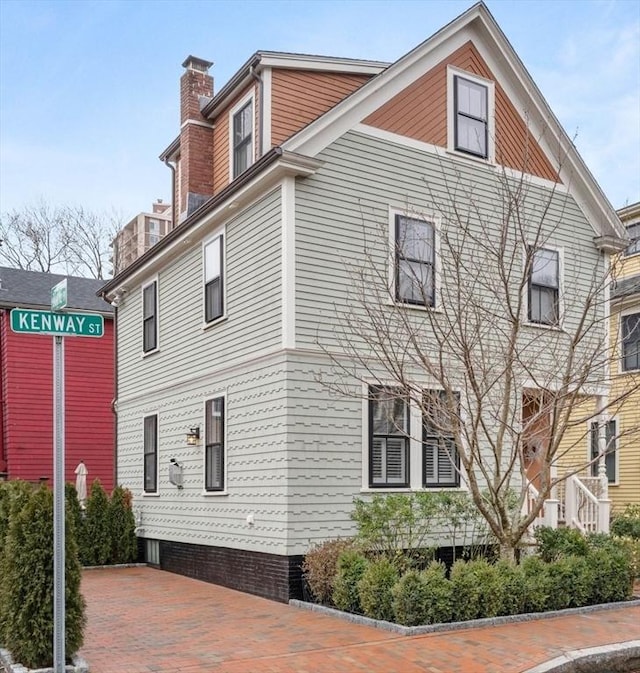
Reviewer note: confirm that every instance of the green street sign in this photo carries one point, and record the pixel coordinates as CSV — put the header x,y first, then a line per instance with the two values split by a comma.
x,y
59,296
57,324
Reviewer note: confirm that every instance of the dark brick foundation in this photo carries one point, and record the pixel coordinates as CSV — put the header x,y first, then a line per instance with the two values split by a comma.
x,y
268,575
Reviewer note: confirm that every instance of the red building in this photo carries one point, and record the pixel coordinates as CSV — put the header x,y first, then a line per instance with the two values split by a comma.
x,y
26,384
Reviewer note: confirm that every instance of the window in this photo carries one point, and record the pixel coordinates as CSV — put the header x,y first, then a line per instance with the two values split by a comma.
x,y
151,454
154,231
610,457
544,287
213,267
388,438
633,232
243,139
214,445
441,462
414,261
150,317
630,342
471,117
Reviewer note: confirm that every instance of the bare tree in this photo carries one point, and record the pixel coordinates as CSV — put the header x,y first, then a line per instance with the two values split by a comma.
x,y
64,239
505,364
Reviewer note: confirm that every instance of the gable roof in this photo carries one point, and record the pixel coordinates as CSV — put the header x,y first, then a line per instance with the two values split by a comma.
x,y
478,26
32,289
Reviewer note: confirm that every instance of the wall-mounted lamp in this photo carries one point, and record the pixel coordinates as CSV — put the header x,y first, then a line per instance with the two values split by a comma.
x,y
193,436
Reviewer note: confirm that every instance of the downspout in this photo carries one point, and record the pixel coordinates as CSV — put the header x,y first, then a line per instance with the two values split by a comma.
x,y
258,79
172,168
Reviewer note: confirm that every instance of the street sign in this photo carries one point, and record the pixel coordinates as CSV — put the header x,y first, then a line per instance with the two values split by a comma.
x,y
59,296
57,324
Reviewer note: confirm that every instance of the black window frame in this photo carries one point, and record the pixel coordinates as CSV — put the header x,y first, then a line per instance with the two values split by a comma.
x,y
634,235
532,288
404,436
611,449
400,257
210,447
630,342
436,439
150,453
458,114
240,144
150,319
214,286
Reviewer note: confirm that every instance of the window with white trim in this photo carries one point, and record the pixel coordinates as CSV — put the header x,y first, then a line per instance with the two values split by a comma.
x,y
415,261
213,279
633,233
243,139
611,453
630,327
150,443
214,445
471,124
441,462
150,317
544,287
388,438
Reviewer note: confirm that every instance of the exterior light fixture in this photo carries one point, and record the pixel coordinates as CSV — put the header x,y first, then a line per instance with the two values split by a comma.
x,y
193,436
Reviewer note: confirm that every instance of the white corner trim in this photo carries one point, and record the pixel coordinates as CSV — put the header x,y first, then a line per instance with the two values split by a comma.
x,y
288,262
265,114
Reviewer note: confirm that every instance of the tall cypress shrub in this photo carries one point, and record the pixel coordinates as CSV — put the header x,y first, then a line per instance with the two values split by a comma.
x,y
27,585
124,545
96,535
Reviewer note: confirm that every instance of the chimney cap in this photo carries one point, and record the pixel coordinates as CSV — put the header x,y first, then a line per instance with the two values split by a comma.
x,y
195,63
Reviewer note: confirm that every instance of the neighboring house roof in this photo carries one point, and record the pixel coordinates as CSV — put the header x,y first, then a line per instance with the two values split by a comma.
x,y
32,289
626,287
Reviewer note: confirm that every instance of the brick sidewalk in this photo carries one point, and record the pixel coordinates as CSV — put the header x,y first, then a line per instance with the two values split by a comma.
x,y
142,620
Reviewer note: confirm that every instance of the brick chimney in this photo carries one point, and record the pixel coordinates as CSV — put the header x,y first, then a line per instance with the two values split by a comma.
x,y
196,137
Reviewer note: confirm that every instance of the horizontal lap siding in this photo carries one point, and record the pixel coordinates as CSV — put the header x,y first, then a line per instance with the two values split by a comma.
x,y
299,97
253,307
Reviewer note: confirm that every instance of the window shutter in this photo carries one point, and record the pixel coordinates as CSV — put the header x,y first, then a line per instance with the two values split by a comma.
x,y
377,474
395,459
430,462
446,469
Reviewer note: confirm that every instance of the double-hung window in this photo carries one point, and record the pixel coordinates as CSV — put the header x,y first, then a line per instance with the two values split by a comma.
x,y
213,279
633,232
388,438
441,463
214,445
150,443
630,342
243,139
415,259
544,287
471,131
150,317
610,456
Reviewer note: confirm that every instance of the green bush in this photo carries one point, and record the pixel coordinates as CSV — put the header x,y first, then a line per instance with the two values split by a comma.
x,y
95,539
467,590
410,599
610,574
374,589
122,526
439,593
513,591
556,542
320,567
627,524
26,585
536,584
569,582
351,567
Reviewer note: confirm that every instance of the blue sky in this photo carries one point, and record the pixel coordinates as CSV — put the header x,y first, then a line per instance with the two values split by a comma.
x,y
89,88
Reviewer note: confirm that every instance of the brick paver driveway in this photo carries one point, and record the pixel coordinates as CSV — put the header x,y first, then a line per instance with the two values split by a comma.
x,y
143,620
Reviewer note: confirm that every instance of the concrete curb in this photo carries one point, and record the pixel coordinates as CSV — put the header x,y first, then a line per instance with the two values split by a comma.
x,y
116,565
457,626
79,665
617,658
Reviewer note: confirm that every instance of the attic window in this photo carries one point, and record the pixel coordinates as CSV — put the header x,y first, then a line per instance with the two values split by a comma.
x,y
242,139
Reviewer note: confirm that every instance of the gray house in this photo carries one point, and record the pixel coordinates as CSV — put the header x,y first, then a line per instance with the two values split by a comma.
x,y
318,204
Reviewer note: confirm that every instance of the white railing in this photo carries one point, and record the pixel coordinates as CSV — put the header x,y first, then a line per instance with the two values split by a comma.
x,y
584,504
547,516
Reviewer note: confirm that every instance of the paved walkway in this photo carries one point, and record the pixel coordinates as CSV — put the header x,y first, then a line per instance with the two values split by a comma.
x,y
142,620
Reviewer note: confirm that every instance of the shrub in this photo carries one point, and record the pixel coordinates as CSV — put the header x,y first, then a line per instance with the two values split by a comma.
x,y
513,588
320,567
122,526
410,599
374,589
439,593
467,579
536,584
611,575
569,583
26,588
95,540
556,542
351,567
627,524
631,546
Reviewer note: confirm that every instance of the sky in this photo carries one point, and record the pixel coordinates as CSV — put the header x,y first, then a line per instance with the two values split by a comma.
x,y
89,88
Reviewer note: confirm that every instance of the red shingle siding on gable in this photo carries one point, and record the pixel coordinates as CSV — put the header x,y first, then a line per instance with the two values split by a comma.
x,y
299,97
27,411
420,112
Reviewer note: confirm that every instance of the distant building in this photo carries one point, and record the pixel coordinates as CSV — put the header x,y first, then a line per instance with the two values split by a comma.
x,y
26,384
143,232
